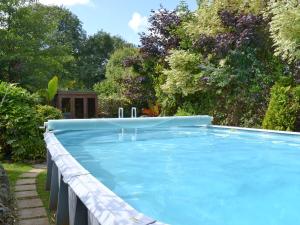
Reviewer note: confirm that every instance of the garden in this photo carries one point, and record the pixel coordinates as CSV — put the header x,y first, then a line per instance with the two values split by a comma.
x,y
235,60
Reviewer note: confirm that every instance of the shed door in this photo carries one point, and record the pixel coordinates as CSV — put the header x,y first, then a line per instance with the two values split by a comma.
x,y
91,107
79,108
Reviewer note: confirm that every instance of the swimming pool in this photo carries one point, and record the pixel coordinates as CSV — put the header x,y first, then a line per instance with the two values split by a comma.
x,y
185,175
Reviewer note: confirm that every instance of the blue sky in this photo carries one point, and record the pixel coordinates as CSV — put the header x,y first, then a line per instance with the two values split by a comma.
x,y
118,17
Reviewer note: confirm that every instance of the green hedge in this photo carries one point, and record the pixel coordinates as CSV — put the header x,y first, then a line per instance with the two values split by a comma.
x,y
20,137
46,112
284,108
20,118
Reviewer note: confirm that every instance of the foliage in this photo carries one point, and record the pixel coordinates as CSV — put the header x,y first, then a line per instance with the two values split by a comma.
x,y
152,111
184,74
285,28
117,66
125,83
44,195
222,59
30,52
244,29
14,170
182,112
108,105
159,38
165,31
47,95
207,20
138,91
19,133
52,88
128,91
284,108
106,88
46,112
37,41
232,67
94,55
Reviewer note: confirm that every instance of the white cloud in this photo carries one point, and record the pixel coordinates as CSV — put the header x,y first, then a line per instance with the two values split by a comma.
x,y
137,22
65,2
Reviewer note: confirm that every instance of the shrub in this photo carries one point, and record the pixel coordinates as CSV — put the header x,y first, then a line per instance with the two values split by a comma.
x,y
184,75
115,68
108,106
19,134
284,108
46,112
109,98
183,112
188,109
138,91
106,88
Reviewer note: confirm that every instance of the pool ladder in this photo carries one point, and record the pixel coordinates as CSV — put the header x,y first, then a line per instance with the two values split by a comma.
x,y
133,115
133,112
121,112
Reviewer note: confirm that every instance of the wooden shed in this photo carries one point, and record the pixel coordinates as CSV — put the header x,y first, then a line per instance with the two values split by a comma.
x,y
77,104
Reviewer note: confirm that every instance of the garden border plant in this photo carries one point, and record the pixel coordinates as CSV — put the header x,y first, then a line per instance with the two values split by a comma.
x,y
284,107
20,118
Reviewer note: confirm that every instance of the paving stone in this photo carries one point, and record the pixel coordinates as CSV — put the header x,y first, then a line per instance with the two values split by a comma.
x,y
26,194
29,175
28,187
32,213
25,181
36,221
42,166
29,203
36,170
31,210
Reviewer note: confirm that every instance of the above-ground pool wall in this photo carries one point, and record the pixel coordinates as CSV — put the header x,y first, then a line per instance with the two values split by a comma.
x,y
78,197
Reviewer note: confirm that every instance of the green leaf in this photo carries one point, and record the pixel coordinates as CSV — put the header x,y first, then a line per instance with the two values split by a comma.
x,y
52,88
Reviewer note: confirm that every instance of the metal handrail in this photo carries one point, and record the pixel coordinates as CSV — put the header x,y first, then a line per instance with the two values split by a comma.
x,y
133,112
121,112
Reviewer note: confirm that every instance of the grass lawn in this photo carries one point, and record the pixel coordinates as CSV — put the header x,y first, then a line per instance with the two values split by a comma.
x,y
14,170
44,195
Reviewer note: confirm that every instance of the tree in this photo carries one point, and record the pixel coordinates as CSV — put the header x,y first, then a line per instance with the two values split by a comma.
x,y
184,74
207,20
117,66
160,37
37,42
229,69
284,107
94,55
285,29
70,33
29,44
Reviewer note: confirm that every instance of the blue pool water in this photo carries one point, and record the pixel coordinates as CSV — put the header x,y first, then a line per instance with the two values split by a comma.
x,y
196,175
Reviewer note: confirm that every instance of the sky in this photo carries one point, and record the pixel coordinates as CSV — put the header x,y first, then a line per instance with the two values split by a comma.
x,y
117,17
